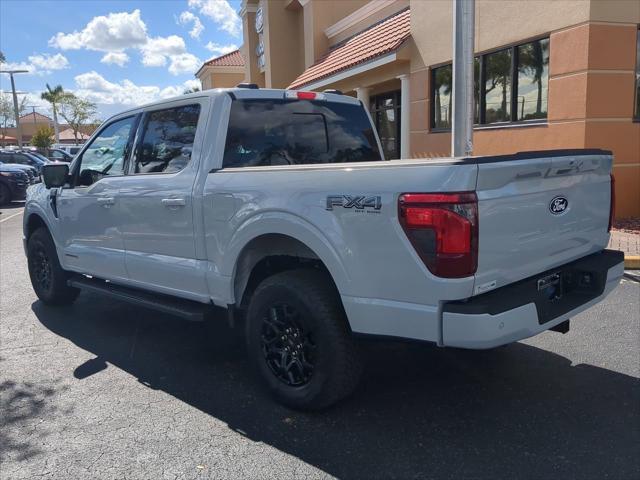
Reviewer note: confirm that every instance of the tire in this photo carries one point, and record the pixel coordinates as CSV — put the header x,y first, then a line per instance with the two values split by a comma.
x,y
48,279
300,310
5,194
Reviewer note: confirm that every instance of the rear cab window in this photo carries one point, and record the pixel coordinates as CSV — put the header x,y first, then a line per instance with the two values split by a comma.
x,y
269,132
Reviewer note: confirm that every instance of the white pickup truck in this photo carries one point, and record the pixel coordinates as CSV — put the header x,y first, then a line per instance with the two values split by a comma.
x,y
278,206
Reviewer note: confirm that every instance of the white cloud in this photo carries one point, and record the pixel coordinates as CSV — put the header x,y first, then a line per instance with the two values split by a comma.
x,y
218,49
188,17
19,66
156,50
117,32
193,83
111,33
125,94
49,62
115,58
184,63
221,13
40,64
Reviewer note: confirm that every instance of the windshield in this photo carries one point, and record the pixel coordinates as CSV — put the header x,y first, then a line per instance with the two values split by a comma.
x,y
39,156
33,157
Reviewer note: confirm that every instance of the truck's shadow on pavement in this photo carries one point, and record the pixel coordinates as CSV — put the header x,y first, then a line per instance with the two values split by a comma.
x,y
420,411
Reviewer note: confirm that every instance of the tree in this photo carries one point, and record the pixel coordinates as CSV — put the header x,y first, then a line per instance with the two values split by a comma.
x,y
54,96
191,90
2,58
77,112
7,115
43,138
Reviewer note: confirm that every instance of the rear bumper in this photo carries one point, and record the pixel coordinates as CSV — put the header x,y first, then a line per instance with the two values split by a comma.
x,y
520,310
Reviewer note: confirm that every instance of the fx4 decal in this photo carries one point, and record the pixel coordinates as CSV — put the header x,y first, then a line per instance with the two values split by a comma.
x,y
359,202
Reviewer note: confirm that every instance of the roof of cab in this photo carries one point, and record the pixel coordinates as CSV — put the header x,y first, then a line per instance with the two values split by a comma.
x,y
242,93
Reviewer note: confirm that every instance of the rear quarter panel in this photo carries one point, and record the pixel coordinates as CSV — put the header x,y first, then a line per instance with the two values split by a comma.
x,y
365,250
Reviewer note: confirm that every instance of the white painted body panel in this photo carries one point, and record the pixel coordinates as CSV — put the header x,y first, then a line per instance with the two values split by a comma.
x,y
192,250
90,232
516,228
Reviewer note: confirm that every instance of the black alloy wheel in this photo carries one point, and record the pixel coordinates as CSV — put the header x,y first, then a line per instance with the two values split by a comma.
x,y
299,342
40,266
288,350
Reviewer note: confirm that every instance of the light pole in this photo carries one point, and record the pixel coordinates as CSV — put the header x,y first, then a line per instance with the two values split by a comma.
x,y
463,48
15,103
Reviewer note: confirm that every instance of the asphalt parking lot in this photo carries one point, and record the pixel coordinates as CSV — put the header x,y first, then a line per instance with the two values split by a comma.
x,y
105,390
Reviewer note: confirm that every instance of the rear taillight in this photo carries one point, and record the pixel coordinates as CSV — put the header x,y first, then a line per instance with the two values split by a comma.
x,y
612,204
443,229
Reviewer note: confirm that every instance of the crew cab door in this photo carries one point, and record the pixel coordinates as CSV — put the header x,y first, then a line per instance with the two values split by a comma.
x,y
89,211
157,201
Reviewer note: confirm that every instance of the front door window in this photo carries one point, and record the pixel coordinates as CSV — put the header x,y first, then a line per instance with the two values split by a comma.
x,y
107,152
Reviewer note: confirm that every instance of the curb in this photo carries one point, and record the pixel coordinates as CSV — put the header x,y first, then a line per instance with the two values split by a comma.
x,y
632,262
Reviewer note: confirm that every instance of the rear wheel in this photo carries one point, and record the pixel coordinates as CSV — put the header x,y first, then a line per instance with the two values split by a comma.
x,y
48,279
298,340
5,194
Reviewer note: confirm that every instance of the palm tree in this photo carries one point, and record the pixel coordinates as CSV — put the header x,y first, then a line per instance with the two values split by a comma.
x,y
54,96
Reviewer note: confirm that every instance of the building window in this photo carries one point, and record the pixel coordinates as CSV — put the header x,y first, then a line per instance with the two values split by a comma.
x,y
497,86
441,97
385,110
511,85
637,109
533,80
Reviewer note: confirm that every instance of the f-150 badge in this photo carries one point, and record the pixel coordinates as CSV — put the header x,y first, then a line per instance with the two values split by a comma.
x,y
359,202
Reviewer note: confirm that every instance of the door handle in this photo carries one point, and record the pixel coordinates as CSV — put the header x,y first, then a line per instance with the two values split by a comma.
x,y
173,202
106,201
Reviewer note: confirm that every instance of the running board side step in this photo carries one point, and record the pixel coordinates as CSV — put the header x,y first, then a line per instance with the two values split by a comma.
x,y
187,309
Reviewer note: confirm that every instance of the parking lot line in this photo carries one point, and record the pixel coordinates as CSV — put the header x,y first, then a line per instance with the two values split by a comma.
x,y
10,217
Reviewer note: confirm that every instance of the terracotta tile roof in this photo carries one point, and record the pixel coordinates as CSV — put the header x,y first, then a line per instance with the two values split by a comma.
x,y
231,59
384,37
38,117
68,135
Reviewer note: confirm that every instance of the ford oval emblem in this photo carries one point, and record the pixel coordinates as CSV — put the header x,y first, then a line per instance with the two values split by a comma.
x,y
558,205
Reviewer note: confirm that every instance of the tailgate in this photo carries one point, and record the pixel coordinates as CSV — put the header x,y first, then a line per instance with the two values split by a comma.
x,y
538,211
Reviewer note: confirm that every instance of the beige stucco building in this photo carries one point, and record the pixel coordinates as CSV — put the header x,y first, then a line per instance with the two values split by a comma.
x,y
30,123
550,74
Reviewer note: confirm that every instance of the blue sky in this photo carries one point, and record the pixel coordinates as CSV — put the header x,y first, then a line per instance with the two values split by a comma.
x,y
115,53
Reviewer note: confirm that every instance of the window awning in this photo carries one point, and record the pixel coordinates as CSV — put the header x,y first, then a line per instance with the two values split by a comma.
x,y
376,41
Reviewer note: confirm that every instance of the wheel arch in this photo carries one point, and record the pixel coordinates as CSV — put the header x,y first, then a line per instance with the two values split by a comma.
x,y
272,253
32,223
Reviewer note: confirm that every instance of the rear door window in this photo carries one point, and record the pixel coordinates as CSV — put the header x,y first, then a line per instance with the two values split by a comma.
x,y
167,140
283,132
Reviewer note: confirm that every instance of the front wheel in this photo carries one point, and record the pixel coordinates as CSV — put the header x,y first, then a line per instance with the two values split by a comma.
x,y
48,279
299,342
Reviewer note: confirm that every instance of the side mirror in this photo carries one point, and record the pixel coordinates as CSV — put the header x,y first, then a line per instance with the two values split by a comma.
x,y
55,175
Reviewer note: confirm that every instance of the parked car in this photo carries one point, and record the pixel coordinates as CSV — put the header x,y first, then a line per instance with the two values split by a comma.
x,y
278,206
32,172
70,149
58,155
13,184
22,158
38,155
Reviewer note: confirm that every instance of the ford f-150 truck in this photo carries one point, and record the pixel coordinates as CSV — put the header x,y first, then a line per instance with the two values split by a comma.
x,y
278,206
